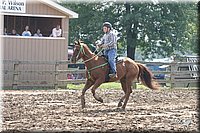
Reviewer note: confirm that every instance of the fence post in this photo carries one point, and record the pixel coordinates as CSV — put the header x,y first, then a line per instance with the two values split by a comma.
x,y
172,74
134,85
56,75
15,75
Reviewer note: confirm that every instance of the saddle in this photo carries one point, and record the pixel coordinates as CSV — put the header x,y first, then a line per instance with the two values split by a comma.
x,y
118,60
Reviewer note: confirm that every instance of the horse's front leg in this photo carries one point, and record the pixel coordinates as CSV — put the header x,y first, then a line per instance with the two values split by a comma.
x,y
88,84
95,86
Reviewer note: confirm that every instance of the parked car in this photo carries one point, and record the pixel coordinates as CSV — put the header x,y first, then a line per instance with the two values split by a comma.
x,y
157,68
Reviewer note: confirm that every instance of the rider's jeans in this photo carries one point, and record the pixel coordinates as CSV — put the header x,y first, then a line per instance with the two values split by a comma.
x,y
111,55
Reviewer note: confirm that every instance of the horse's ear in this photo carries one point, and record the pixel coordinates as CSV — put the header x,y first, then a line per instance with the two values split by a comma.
x,y
79,41
76,43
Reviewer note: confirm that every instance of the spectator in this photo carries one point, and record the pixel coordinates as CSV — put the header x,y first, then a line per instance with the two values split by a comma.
x,y
14,33
56,32
38,33
5,31
26,32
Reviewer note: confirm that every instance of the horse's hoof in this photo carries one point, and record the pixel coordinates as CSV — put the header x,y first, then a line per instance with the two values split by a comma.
x,y
119,104
100,100
83,106
123,108
84,110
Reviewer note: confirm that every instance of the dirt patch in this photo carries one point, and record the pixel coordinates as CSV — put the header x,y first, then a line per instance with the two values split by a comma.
x,y
166,110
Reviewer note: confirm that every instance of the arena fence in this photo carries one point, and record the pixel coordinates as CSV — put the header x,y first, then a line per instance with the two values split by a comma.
x,y
168,74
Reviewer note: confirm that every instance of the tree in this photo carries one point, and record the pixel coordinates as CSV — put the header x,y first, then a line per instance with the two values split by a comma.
x,y
157,29
85,27
160,29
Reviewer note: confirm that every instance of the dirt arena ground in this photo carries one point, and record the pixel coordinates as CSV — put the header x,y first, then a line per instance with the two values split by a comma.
x,y
60,110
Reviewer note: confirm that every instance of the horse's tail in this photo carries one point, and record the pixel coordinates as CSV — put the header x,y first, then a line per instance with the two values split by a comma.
x,y
147,77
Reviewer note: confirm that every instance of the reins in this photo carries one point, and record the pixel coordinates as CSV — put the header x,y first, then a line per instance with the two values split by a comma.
x,y
83,51
93,56
79,52
89,70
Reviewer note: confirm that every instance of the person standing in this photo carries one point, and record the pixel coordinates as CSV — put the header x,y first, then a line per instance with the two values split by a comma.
x,y
5,31
56,32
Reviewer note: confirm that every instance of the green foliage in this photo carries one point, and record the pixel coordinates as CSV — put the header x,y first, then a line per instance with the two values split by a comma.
x,y
162,29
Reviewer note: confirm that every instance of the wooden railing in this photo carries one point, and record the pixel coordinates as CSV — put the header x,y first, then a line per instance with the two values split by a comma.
x,y
172,74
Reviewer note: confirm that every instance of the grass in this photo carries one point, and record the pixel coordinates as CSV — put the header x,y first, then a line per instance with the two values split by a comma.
x,y
112,85
103,86
28,88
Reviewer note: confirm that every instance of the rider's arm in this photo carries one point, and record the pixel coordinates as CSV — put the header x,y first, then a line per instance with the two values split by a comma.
x,y
102,40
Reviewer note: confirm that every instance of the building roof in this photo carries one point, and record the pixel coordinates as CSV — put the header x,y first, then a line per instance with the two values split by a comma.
x,y
60,8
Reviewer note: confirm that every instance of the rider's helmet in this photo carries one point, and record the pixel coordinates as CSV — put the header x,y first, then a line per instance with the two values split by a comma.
x,y
108,25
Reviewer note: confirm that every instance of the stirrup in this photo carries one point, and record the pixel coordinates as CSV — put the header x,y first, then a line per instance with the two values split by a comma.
x,y
113,75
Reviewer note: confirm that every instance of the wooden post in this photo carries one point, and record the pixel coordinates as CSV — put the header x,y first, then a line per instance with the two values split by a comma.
x,y
56,76
15,75
134,85
172,74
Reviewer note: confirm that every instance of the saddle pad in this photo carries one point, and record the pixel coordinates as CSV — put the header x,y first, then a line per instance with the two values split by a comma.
x,y
119,59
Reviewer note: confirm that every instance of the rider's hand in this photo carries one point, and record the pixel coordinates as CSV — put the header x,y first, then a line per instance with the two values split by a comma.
x,y
98,42
98,45
103,46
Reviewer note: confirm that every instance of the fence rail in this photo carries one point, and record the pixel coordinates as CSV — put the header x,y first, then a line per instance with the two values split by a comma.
x,y
172,73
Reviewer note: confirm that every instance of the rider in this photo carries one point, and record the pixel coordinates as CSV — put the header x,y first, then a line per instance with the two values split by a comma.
x,y
109,45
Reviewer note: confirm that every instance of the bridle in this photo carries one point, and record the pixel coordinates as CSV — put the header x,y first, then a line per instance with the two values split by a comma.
x,y
81,50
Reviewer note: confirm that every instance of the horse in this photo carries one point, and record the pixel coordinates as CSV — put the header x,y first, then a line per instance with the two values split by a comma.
x,y
97,69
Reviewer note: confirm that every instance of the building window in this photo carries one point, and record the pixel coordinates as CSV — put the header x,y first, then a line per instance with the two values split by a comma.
x,y
18,23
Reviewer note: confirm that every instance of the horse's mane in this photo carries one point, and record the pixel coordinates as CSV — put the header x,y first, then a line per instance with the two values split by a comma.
x,y
87,48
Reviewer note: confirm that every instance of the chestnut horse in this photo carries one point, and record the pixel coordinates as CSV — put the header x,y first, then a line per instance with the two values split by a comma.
x,y
97,69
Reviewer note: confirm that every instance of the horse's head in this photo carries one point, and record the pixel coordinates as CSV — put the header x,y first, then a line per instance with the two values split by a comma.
x,y
78,52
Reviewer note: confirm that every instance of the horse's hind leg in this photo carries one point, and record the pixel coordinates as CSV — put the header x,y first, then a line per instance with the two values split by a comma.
x,y
95,86
128,92
86,87
123,84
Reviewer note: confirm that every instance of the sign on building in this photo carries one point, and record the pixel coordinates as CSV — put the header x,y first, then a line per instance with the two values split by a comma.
x,y
17,6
